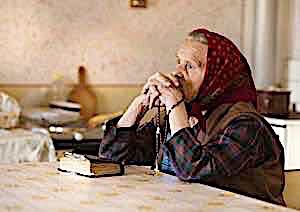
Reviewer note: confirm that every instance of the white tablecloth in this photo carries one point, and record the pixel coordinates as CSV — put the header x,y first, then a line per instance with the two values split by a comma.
x,y
19,145
40,187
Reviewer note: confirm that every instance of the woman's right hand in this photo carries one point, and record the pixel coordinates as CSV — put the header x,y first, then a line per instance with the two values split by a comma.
x,y
140,103
148,98
159,87
135,112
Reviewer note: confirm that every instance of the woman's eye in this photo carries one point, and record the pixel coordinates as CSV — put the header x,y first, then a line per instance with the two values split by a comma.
x,y
178,61
189,66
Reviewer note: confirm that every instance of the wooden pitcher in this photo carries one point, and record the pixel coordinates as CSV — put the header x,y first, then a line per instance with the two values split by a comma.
x,y
83,95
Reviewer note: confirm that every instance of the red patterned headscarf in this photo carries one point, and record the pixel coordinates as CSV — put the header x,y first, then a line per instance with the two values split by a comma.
x,y
227,78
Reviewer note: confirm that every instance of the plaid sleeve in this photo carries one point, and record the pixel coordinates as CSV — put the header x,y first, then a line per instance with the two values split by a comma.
x,y
239,146
131,145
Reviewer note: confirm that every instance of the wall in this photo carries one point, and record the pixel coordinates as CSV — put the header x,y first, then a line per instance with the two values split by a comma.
x,y
115,42
292,74
294,51
278,63
120,46
109,98
287,55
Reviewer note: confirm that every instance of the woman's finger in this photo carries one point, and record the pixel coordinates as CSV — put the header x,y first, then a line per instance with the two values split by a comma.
x,y
150,83
166,91
145,88
154,101
158,102
146,99
193,121
180,71
177,78
160,78
174,79
154,94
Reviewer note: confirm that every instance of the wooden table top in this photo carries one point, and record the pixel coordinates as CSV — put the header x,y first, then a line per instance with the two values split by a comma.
x,y
40,187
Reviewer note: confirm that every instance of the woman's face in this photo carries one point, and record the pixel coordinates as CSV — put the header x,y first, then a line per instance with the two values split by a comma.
x,y
191,64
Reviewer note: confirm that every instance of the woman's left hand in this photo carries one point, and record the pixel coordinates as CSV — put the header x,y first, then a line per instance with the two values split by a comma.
x,y
165,90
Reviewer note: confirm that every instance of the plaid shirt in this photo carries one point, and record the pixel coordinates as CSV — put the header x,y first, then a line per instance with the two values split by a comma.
x,y
131,145
244,157
246,142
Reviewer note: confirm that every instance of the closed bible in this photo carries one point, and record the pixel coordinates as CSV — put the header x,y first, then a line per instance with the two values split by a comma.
x,y
89,165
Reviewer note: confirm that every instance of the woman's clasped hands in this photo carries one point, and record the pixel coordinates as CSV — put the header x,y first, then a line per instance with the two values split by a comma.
x,y
163,90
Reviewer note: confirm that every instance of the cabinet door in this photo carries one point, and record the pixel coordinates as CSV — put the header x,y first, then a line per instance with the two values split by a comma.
x,y
293,146
281,131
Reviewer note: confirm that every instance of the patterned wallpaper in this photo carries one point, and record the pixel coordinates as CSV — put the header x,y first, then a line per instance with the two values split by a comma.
x,y
117,44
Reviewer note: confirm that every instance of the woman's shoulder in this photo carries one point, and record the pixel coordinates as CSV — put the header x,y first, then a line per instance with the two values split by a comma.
x,y
246,113
226,114
250,119
243,115
254,124
258,130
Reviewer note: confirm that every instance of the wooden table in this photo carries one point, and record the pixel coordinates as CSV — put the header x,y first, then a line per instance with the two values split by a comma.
x,y
40,187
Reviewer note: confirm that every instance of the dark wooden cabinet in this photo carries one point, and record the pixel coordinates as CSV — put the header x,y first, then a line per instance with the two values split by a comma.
x,y
273,102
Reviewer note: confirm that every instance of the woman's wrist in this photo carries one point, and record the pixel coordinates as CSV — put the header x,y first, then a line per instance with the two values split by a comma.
x,y
133,114
178,118
170,108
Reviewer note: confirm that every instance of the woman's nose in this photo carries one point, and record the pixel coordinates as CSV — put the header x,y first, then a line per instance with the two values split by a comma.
x,y
180,71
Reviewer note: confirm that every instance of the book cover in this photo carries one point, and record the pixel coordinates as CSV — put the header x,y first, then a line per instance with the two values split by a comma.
x,y
89,165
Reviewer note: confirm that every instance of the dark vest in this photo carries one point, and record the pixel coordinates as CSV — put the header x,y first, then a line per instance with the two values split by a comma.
x,y
265,182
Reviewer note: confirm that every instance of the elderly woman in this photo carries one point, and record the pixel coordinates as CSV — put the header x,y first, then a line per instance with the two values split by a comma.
x,y
213,133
